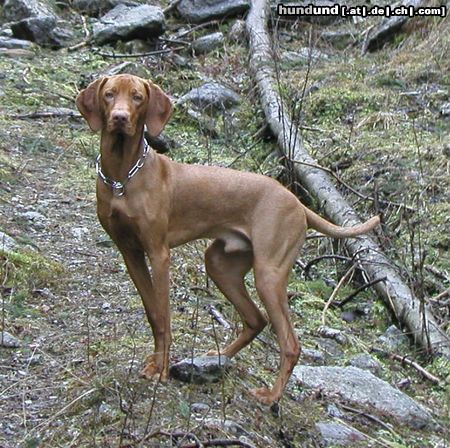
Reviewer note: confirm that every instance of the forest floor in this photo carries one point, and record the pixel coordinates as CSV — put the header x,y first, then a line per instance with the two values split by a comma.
x,y
375,120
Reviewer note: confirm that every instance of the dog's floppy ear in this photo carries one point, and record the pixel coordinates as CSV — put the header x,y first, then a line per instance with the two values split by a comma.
x,y
159,109
88,104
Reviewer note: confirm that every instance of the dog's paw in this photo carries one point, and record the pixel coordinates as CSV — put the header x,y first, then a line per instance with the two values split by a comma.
x,y
212,353
264,395
153,370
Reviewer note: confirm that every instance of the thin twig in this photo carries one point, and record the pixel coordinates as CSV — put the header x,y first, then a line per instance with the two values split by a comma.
x,y
409,362
310,264
336,290
195,28
360,289
351,189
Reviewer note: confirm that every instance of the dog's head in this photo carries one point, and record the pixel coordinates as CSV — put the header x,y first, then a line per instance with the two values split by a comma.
x,y
123,104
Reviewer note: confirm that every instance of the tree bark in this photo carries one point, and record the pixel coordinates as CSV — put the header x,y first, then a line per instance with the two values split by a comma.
x,y
408,309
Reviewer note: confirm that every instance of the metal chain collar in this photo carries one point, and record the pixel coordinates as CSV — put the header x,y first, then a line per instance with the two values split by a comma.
x,y
118,187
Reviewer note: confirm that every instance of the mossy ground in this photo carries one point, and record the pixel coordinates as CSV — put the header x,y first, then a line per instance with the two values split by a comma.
x,y
68,297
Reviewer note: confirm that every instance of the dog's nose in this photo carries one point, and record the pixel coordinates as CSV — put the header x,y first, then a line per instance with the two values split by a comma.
x,y
120,117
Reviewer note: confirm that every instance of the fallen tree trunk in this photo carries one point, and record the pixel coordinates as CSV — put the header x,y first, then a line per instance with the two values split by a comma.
x,y
408,309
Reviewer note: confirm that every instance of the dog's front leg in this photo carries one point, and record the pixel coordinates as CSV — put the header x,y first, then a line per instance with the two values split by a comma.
x,y
154,291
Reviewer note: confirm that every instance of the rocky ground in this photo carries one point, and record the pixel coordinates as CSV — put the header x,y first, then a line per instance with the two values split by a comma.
x,y
75,335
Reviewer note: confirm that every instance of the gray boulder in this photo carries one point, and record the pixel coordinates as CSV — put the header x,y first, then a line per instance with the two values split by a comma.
x,y
96,8
197,11
127,23
36,21
200,370
361,388
15,10
394,339
44,30
208,43
212,95
366,362
10,42
336,434
8,340
7,243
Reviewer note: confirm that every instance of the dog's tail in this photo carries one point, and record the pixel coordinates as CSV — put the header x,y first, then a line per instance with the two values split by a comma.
x,y
327,228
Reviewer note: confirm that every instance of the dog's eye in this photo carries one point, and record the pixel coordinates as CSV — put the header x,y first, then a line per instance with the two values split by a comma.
x,y
109,95
137,97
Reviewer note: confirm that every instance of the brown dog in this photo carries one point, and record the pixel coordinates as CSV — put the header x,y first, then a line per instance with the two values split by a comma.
x,y
148,204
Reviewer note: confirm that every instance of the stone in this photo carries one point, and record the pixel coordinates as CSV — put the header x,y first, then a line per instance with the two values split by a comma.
x,y
208,43
339,39
366,362
8,340
7,243
303,56
227,425
313,355
393,338
15,10
96,8
361,388
127,23
197,11
338,434
17,53
12,43
43,29
201,369
212,95
445,110
332,333
35,219
36,21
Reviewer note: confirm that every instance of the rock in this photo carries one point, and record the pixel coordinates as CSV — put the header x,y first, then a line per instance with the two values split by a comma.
x,y
334,411
366,362
212,95
36,219
15,10
132,68
197,11
445,110
8,340
330,347
361,388
10,42
200,370
315,356
200,408
208,43
303,56
127,23
229,426
339,39
7,243
332,333
237,31
36,21
43,30
393,338
96,8
337,434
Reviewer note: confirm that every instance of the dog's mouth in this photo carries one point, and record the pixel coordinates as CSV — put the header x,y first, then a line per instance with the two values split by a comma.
x,y
120,128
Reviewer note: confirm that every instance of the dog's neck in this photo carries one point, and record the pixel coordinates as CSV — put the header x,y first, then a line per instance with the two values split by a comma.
x,y
119,153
